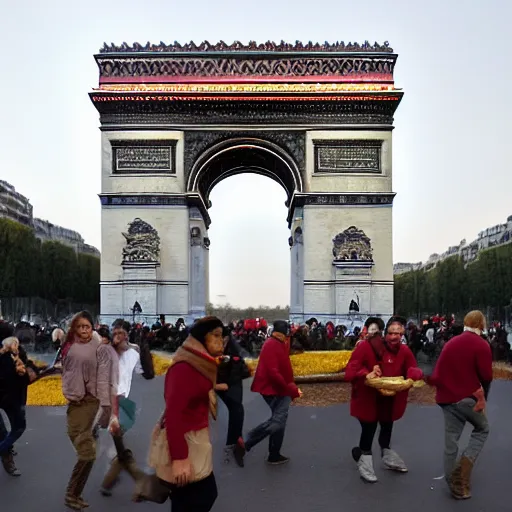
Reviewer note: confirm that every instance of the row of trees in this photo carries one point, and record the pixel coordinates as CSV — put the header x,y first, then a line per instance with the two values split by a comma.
x,y
48,270
228,313
454,287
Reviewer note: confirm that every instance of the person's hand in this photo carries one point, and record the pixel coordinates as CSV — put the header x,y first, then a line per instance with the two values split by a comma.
x,y
114,427
301,394
32,375
181,472
106,412
221,387
377,370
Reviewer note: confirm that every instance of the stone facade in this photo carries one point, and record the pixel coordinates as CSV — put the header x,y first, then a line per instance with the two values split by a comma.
x,y
171,132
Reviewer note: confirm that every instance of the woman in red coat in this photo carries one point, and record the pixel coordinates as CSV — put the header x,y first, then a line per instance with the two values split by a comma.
x,y
375,357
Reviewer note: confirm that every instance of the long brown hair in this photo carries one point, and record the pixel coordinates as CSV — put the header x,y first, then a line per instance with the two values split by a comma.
x,y
71,334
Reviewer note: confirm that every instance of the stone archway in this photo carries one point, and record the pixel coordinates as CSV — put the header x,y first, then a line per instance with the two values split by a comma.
x,y
232,156
177,119
223,158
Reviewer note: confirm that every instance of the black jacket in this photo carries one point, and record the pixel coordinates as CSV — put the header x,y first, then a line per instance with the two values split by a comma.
x,y
13,387
233,370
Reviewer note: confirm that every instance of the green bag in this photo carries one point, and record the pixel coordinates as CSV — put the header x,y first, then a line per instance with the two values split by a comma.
x,y
127,413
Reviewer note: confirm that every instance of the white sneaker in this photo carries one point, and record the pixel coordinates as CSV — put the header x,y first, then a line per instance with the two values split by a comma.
x,y
365,467
228,454
393,461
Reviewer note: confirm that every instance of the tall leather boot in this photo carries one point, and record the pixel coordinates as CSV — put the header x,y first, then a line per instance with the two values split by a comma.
x,y
112,477
130,466
466,468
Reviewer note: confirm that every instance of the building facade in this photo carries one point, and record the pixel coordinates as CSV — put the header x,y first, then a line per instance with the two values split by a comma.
x,y
491,237
176,120
16,207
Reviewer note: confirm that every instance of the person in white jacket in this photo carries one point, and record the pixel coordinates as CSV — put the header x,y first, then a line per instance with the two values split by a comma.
x,y
123,409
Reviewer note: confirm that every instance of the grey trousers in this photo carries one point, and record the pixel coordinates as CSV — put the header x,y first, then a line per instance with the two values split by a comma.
x,y
455,418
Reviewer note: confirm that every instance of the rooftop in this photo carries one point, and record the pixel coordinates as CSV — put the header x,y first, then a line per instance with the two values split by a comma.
x,y
252,46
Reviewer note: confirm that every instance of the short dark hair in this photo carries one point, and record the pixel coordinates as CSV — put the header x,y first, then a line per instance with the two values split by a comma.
x,y
122,324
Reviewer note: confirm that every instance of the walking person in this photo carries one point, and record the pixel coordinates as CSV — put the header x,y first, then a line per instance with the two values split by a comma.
x,y
86,387
186,464
15,377
378,356
274,381
463,376
231,373
123,409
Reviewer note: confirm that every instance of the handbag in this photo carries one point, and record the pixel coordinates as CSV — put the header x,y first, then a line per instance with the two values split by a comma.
x,y
151,488
200,453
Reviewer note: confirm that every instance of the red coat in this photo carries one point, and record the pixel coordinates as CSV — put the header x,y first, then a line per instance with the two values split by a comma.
x,y
366,403
274,373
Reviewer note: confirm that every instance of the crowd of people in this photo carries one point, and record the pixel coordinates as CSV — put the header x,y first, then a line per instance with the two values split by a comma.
x,y
98,366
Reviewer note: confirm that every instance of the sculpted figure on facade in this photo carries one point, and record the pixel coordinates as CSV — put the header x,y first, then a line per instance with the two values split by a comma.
x,y
195,236
352,245
142,242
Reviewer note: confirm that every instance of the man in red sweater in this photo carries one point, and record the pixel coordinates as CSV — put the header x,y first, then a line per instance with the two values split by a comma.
x,y
274,381
463,376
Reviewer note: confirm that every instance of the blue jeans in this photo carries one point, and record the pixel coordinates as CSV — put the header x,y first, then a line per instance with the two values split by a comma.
x,y
16,417
273,427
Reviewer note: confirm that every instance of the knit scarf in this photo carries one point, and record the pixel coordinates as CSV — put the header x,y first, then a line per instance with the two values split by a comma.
x,y
195,354
279,336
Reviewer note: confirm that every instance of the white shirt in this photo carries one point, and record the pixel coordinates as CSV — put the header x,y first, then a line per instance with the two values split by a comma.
x,y
128,362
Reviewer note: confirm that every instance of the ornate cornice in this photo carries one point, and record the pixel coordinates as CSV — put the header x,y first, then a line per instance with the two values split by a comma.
x,y
377,109
155,200
339,199
252,46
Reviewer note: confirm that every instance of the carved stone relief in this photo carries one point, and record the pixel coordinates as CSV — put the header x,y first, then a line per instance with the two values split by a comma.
x,y
195,237
142,243
349,156
352,245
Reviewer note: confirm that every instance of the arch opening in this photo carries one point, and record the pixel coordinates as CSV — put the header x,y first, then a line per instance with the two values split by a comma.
x,y
244,155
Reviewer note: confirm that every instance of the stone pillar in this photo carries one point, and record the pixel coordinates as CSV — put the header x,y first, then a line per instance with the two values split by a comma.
x,y
198,279
297,276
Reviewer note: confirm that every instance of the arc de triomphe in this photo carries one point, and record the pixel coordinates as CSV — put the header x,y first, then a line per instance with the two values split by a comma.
x,y
176,120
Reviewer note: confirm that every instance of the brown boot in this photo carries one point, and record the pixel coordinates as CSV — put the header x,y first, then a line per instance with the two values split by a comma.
x,y
456,483
9,465
111,478
466,468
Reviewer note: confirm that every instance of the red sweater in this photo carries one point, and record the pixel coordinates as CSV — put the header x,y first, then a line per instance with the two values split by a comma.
x,y
464,365
187,406
274,374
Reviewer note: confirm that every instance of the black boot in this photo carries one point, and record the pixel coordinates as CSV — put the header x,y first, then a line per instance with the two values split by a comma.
x,y
9,465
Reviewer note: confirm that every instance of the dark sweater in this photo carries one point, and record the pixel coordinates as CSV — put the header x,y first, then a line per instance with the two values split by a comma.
x,y
464,365
13,387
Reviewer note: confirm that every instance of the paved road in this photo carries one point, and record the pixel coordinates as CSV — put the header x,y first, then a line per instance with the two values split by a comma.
x,y
320,477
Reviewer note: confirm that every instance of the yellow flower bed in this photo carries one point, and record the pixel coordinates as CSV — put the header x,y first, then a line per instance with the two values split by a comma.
x,y
47,391
314,363
161,363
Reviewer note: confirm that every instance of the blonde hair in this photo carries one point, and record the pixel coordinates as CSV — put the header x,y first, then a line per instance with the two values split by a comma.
x,y
9,342
475,320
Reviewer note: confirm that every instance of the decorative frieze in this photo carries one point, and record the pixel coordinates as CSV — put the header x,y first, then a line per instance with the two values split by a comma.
x,y
348,156
143,157
143,200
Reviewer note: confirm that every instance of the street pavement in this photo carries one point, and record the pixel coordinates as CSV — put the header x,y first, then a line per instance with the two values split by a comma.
x,y
320,477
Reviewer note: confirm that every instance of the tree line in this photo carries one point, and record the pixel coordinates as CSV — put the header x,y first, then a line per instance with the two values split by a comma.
x,y
228,313
453,286
47,270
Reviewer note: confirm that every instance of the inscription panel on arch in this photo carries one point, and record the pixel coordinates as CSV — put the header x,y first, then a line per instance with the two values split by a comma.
x,y
348,156
143,157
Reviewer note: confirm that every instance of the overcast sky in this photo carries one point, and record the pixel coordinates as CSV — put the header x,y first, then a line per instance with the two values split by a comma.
x,y
451,148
